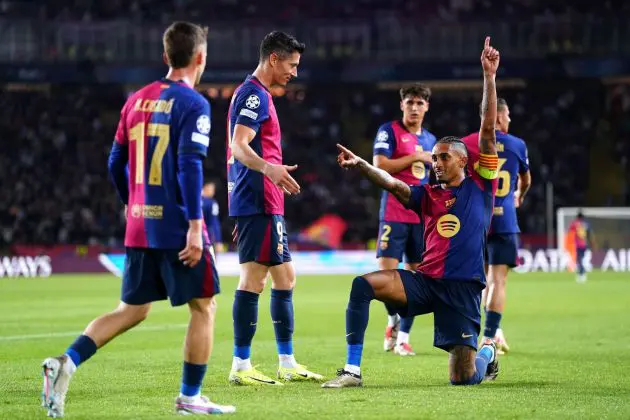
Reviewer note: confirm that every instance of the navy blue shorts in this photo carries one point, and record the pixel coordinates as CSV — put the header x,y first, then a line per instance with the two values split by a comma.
x,y
262,238
155,274
503,249
455,306
397,239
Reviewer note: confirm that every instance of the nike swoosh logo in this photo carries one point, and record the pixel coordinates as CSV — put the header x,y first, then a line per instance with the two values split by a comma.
x,y
348,335
303,375
466,335
252,324
262,380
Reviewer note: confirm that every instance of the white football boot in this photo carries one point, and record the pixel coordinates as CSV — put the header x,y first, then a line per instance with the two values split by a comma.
x,y
200,405
57,372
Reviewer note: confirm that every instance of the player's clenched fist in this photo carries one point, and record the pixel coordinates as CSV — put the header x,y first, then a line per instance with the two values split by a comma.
x,y
489,58
279,175
346,158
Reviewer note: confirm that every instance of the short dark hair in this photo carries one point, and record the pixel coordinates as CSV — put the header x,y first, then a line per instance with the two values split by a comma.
x,y
501,105
580,215
454,141
280,43
181,40
416,90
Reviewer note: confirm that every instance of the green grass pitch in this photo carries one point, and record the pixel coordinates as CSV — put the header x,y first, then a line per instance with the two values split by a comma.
x,y
570,355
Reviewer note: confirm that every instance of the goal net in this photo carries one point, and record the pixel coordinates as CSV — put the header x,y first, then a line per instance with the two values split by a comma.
x,y
610,228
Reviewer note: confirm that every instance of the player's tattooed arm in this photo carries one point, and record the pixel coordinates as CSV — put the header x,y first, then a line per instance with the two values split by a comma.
x,y
379,177
487,133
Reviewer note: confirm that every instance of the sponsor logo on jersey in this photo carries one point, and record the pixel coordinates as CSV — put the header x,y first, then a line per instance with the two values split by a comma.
x,y
448,225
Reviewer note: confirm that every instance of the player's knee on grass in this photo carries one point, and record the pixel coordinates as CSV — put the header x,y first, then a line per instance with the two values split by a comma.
x,y
461,365
283,276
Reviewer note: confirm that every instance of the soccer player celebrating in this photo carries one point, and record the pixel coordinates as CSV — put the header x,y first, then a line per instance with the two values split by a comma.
x,y
502,249
210,210
451,276
583,239
163,135
257,182
402,149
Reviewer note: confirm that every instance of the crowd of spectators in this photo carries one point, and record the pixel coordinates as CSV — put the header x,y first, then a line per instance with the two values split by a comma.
x,y
55,189
280,11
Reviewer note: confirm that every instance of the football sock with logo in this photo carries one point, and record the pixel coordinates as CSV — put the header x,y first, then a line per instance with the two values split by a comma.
x,y
245,316
357,316
192,378
282,317
81,350
493,320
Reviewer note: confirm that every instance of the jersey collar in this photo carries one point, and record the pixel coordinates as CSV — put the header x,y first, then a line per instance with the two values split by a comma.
x,y
257,81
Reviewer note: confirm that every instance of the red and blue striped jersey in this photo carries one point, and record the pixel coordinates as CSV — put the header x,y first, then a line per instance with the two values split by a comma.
x,y
394,141
157,123
456,224
581,229
249,191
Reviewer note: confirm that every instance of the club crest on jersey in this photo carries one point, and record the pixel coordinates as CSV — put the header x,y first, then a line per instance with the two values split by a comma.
x,y
448,225
252,102
136,211
383,245
280,248
203,124
449,203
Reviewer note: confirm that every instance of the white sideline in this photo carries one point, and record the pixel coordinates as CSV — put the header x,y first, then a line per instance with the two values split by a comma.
x,y
73,333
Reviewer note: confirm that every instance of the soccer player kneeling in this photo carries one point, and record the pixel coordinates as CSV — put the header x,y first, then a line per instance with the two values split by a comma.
x,y
451,277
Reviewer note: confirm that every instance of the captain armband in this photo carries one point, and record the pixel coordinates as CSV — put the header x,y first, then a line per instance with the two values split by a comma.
x,y
488,166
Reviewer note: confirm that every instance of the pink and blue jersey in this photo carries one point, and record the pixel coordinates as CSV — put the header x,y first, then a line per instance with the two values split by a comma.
x,y
161,126
394,141
249,191
581,231
456,224
513,160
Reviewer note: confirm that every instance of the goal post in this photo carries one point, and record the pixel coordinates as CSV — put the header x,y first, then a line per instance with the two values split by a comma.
x,y
610,225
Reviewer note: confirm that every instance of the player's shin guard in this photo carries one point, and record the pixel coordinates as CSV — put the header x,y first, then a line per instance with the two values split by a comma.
x,y
493,320
245,316
282,317
405,324
357,315
192,378
81,350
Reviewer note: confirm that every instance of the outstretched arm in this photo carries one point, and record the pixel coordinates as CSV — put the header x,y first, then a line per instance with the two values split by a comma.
x,y
487,132
379,177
